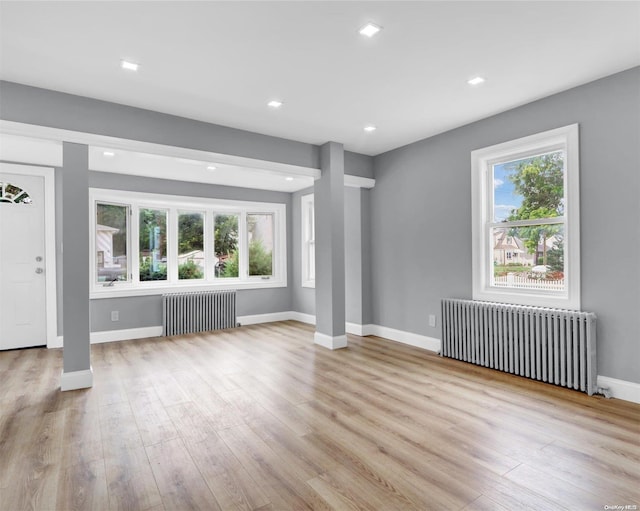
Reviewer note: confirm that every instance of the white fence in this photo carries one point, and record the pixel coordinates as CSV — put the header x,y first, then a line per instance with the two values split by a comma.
x,y
525,282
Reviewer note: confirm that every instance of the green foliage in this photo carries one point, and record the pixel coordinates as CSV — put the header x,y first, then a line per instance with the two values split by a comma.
x,y
260,261
226,234
190,232
189,270
231,266
555,256
149,219
540,181
146,273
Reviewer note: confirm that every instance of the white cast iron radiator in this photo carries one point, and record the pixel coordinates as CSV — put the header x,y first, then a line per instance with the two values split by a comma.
x,y
551,345
198,311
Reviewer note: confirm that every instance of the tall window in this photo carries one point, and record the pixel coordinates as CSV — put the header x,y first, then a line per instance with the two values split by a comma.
x,y
190,245
153,244
184,242
260,229
112,242
525,225
226,246
308,241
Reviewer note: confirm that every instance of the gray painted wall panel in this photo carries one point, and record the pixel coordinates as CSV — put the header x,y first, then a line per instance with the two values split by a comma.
x,y
357,164
303,299
75,265
353,255
421,215
329,229
32,105
365,204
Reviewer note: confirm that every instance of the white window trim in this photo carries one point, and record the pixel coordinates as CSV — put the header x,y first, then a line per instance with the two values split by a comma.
x,y
306,201
566,138
174,203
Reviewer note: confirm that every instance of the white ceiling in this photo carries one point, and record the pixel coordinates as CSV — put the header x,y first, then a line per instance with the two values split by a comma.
x,y
222,62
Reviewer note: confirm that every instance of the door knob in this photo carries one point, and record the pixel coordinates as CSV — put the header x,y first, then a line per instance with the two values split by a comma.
x,y
39,258
39,270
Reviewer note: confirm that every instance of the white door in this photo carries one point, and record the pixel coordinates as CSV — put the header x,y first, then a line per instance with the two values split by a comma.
x,y
23,320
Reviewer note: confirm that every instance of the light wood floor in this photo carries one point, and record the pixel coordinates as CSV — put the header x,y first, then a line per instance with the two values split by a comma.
x,y
260,418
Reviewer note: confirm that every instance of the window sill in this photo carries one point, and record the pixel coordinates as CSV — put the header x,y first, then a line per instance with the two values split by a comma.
x,y
539,299
124,291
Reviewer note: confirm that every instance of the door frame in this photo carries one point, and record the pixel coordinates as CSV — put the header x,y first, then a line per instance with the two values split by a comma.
x,y
48,173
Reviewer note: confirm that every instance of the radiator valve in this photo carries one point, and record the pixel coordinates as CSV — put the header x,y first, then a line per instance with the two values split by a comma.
x,y
605,392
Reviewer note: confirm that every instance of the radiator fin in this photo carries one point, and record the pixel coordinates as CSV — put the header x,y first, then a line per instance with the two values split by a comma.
x,y
198,311
551,345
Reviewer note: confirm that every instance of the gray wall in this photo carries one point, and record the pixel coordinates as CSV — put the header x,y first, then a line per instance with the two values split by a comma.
x,y
421,215
303,299
358,164
357,257
146,311
32,105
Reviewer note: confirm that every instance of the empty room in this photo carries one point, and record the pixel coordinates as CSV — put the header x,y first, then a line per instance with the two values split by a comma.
x,y
289,255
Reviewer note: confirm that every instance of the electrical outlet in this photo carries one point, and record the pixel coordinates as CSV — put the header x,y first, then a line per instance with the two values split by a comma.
x,y
432,320
115,315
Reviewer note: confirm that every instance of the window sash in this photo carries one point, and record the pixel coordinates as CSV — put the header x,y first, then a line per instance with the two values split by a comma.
x,y
308,274
564,139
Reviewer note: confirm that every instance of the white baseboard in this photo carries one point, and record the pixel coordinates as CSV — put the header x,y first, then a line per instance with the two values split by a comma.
x,y
57,343
76,380
620,389
355,329
328,341
264,318
310,319
124,334
419,341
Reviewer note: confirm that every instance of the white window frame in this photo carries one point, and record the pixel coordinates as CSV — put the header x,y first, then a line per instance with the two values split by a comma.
x,y
308,241
482,160
173,204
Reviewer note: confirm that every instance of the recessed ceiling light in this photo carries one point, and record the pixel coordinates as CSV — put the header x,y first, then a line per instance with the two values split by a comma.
x,y
370,128
370,29
476,81
288,178
274,103
129,66
108,154
211,167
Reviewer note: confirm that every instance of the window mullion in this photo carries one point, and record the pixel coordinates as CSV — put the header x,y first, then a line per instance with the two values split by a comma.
x,y
209,250
243,259
526,223
172,246
134,242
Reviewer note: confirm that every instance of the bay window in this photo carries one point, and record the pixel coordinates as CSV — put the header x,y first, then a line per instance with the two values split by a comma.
x,y
183,242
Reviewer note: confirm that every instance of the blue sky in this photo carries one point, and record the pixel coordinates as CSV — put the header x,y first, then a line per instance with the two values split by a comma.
x,y
504,198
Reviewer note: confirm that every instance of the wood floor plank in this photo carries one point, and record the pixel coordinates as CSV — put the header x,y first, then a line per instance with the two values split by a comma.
x,y
130,480
179,481
261,418
227,478
83,487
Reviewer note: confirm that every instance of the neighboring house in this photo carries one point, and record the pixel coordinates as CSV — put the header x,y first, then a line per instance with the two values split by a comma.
x,y
510,250
197,256
104,245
